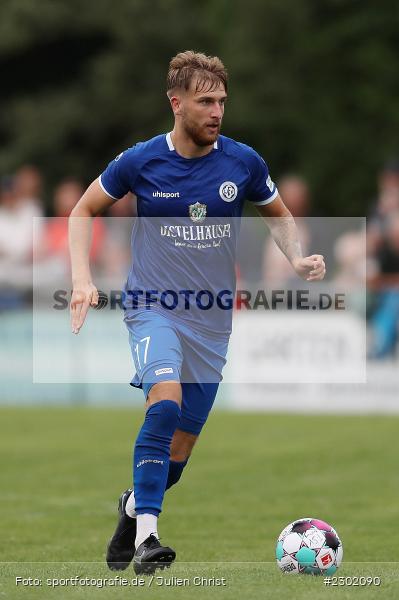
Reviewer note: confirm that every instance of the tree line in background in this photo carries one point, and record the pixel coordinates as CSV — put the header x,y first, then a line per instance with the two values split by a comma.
x,y
313,84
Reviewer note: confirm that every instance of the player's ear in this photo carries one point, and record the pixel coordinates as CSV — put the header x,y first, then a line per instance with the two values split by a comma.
x,y
175,102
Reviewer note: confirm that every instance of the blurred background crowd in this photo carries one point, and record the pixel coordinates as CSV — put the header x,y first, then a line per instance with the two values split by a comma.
x,y
31,229
31,233
313,87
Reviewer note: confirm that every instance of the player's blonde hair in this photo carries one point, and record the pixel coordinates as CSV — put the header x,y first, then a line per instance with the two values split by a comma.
x,y
209,72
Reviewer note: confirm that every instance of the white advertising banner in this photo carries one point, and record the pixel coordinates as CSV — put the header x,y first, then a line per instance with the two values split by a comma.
x,y
293,347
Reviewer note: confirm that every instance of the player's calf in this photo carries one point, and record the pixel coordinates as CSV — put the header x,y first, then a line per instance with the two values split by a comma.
x,y
182,445
180,451
151,465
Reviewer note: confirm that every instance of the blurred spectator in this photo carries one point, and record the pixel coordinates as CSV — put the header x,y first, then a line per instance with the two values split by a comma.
x,y
349,275
385,284
386,204
389,176
20,202
52,257
295,192
28,185
277,271
350,258
383,263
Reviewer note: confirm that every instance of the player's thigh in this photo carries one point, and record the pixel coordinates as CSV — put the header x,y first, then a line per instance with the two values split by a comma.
x,y
197,401
204,359
156,352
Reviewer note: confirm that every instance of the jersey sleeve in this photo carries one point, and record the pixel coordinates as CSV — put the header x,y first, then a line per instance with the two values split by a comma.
x,y
120,175
261,190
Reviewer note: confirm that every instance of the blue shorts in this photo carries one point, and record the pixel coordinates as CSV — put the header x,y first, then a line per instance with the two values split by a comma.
x,y
168,350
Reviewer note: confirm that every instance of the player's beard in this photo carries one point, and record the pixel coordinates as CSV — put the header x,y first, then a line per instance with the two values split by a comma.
x,y
200,134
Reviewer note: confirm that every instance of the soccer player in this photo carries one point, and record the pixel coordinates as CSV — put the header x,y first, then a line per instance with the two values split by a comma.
x,y
192,174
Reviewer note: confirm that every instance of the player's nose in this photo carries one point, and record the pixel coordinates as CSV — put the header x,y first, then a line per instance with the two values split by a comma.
x,y
217,111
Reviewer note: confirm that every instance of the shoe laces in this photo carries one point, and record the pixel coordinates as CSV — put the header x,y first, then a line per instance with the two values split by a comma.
x,y
154,541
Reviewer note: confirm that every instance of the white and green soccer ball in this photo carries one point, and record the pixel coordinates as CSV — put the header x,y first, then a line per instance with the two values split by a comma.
x,y
309,546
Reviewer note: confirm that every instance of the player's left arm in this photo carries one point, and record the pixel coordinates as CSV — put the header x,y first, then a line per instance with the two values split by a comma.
x,y
284,232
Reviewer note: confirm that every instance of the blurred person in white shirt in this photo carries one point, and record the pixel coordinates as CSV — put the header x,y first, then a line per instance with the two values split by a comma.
x,y
20,203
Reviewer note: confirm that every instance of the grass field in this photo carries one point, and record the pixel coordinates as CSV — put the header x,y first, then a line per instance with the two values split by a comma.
x,y
250,474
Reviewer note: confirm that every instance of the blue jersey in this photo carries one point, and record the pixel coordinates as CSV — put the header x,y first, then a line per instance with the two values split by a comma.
x,y
184,243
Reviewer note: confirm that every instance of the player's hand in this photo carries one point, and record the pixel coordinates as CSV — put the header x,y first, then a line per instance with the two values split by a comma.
x,y
83,296
311,268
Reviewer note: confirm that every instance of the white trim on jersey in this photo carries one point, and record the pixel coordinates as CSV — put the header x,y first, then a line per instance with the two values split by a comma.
x,y
104,190
268,200
171,146
169,141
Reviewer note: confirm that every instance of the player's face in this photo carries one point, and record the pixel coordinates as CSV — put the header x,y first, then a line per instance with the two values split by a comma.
x,y
202,113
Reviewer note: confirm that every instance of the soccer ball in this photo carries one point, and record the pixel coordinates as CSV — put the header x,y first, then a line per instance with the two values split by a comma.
x,y
309,546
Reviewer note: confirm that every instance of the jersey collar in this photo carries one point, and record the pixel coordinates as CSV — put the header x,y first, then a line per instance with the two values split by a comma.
x,y
171,146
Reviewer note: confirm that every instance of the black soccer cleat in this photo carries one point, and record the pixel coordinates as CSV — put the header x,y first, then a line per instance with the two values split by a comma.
x,y
120,549
150,555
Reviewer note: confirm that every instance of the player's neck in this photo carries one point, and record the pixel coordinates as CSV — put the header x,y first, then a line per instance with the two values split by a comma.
x,y
185,146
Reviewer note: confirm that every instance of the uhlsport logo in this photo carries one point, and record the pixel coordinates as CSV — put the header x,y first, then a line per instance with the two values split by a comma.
x,y
197,212
149,460
159,194
228,191
159,372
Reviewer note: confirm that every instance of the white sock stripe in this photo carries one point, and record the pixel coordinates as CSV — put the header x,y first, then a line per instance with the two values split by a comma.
x,y
147,524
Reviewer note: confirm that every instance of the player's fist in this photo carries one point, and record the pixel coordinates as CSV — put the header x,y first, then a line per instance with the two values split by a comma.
x,y
311,268
83,296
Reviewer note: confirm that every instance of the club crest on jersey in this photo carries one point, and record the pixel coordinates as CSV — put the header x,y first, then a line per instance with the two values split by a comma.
x,y
197,212
228,191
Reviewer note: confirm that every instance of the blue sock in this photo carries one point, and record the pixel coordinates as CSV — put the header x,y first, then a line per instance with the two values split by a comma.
x,y
151,455
175,471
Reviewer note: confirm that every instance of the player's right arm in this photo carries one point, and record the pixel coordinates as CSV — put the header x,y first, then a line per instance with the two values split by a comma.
x,y
93,202
116,181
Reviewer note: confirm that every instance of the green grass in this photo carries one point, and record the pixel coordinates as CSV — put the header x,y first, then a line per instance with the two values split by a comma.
x,y
249,476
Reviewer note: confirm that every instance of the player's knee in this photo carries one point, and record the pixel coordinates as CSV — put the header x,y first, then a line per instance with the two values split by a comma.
x,y
163,418
170,390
